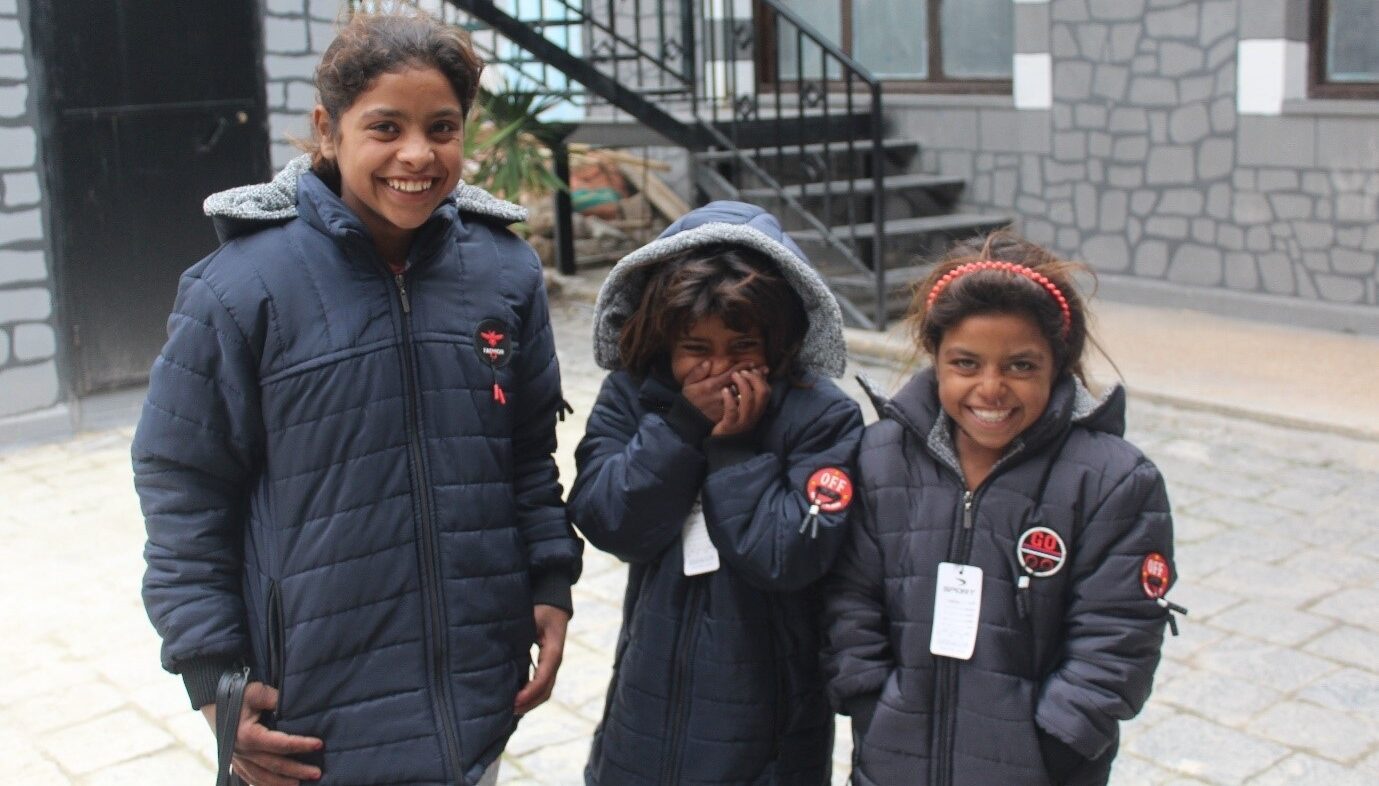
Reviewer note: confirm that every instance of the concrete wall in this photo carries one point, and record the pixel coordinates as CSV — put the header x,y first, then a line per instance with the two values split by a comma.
x,y
29,375
1169,144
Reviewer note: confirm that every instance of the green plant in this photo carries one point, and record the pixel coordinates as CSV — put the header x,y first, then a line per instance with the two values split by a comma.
x,y
510,144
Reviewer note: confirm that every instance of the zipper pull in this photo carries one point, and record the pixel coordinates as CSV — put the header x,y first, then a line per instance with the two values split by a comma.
x,y
1022,596
563,409
1172,609
402,290
498,394
811,521
967,510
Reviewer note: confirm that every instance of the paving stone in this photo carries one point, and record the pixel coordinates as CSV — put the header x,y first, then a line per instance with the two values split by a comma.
x,y
164,767
1228,700
1271,622
1355,606
1347,690
70,704
1281,584
1334,735
1279,668
1202,749
1300,768
103,742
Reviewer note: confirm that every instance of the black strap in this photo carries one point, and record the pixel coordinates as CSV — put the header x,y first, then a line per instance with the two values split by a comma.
x,y
229,699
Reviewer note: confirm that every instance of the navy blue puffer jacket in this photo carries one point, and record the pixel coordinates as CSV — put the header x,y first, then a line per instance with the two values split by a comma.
x,y
1060,659
716,676
333,493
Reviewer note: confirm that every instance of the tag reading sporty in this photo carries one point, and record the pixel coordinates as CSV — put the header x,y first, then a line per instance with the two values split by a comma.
x,y
957,610
700,555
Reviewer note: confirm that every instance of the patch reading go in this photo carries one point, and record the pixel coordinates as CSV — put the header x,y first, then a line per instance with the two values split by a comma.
x,y
1155,575
830,488
1041,551
493,342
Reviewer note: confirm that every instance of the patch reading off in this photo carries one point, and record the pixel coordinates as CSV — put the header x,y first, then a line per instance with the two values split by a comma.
x,y
830,489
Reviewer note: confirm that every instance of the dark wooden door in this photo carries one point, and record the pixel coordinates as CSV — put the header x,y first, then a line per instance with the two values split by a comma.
x,y
148,107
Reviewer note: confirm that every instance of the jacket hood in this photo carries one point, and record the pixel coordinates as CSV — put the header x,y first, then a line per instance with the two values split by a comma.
x,y
916,406
245,209
823,351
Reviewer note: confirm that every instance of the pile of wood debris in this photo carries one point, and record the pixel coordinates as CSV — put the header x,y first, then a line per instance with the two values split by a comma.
x,y
620,205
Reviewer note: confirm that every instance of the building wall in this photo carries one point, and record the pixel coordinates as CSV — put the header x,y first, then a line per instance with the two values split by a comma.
x,y
1169,144
295,33
34,394
29,376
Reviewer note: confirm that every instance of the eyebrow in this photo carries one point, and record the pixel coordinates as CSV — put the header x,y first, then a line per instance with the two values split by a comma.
x,y
390,113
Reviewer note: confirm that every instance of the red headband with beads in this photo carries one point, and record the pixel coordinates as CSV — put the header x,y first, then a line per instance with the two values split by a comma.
x,y
1009,267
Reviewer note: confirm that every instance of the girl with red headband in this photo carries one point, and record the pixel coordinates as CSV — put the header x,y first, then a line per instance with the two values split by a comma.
x,y
1000,604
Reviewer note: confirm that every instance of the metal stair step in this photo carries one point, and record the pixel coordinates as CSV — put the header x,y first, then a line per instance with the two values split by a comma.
x,y
950,223
862,186
890,147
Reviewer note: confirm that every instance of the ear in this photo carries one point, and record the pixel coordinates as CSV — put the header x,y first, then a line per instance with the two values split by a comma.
x,y
325,132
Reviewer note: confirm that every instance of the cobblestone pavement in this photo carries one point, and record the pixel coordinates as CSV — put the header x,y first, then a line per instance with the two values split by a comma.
x,y
1275,679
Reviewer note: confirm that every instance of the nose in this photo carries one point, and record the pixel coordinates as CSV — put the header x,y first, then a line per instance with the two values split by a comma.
x,y
719,363
415,151
990,387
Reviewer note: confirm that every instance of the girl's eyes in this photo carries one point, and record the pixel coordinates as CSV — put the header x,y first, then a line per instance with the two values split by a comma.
x,y
384,128
1023,366
964,364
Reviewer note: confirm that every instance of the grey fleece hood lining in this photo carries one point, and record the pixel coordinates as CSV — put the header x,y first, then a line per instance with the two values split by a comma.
x,y
823,350
276,200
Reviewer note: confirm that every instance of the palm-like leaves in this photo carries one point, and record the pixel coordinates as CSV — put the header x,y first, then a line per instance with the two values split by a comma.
x,y
510,143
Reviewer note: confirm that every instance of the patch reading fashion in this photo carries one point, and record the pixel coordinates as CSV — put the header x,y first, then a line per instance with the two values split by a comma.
x,y
1041,551
830,489
1155,575
493,342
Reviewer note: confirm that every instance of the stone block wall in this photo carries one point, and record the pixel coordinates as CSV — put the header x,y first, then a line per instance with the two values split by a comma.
x,y
1159,152
295,33
29,375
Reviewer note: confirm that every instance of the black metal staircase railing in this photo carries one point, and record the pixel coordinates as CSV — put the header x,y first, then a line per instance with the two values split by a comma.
x,y
766,104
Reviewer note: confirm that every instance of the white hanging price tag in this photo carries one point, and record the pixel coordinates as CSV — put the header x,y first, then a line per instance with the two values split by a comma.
x,y
957,610
700,555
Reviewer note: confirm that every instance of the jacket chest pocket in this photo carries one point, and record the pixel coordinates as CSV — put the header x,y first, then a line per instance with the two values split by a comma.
x,y
1042,564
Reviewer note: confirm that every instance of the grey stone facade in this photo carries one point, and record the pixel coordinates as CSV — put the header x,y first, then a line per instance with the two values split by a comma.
x,y
33,387
295,33
1149,164
29,375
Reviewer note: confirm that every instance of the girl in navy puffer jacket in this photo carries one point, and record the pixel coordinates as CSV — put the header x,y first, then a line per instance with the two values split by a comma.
x,y
999,606
345,461
716,463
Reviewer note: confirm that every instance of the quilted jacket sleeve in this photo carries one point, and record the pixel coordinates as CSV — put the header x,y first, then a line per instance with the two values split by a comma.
x,y
638,474
195,452
552,549
1113,630
858,657
755,504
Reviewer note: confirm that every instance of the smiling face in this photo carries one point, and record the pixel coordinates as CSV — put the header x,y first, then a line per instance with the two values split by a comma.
x,y
722,346
399,149
995,374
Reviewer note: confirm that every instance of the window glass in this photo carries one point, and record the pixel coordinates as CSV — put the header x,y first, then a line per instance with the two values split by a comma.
x,y
1352,38
891,37
978,38
827,20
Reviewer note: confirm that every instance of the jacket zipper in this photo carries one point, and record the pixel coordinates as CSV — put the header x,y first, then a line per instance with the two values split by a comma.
x,y
430,559
946,675
679,705
276,640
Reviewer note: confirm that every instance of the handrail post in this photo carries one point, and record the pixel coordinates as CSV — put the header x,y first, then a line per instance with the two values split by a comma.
x,y
691,50
878,207
564,211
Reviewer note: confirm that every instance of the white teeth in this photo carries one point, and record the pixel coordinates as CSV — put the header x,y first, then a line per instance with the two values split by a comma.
x,y
410,186
991,415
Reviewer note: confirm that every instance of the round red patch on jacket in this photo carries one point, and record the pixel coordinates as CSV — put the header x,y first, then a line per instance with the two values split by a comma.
x,y
1155,575
830,488
1041,551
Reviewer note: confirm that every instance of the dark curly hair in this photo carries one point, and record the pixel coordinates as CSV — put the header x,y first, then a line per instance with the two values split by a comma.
x,y
372,44
738,285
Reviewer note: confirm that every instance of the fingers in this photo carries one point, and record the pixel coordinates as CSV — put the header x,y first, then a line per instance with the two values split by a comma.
x,y
697,374
259,697
271,766
257,738
257,775
542,683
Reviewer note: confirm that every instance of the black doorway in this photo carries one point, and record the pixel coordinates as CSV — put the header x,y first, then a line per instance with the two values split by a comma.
x,y
147,107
